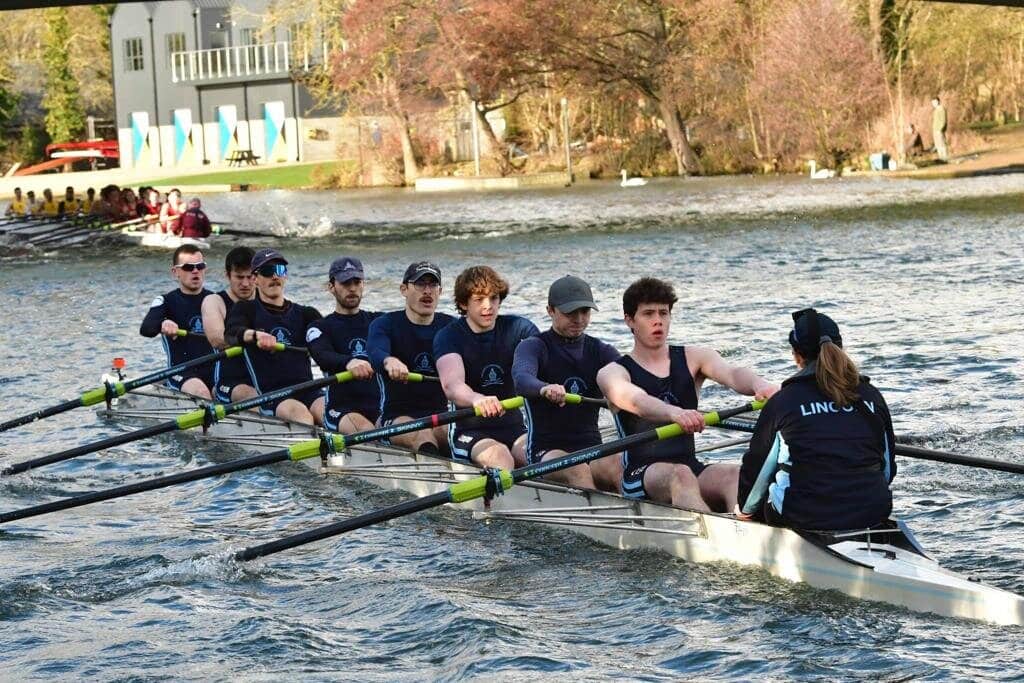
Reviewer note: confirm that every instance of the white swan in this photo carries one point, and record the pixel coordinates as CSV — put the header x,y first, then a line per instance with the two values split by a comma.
x,y
820,173
631,182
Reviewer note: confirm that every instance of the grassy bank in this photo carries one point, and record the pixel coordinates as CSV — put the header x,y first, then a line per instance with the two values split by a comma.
x,y
292,177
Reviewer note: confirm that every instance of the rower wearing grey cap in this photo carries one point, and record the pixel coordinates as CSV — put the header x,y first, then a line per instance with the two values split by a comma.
x,y
402,342
562,360
338,342
263,322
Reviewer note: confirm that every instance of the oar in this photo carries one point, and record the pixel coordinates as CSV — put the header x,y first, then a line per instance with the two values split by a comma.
x,y
208,415
311,448
109,391
490,483
909,451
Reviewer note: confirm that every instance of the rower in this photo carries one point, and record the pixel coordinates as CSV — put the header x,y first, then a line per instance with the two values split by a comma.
x,y
337,343
402,342
822,452
565,359
30,203
17,207
180,309
658,383
149,208
268,319
70,205
170,212
108,205
128,209
230,376
194,223
90,199
49,206
474,360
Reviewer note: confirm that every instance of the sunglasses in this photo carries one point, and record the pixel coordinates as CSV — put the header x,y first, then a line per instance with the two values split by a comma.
x,y
272,269
189,267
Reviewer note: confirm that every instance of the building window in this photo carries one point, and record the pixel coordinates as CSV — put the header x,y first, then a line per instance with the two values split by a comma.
x,y
175,42
133,55
250,39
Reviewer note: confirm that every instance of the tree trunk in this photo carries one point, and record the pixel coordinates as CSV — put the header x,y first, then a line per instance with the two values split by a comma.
x,y
687,162
410,169
499,151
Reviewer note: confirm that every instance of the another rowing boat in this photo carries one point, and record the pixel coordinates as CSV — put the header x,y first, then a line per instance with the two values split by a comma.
x,y
885,565
159,240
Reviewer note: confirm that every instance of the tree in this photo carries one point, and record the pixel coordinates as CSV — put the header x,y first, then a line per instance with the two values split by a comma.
x,y
65,117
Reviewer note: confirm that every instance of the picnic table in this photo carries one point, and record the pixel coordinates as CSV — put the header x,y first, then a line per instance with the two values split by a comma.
x,y
242,156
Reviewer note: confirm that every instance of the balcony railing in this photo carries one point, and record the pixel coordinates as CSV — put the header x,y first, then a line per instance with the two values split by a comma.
x,y
264,59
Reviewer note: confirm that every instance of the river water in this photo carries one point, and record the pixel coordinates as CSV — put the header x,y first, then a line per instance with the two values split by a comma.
x,y
926,280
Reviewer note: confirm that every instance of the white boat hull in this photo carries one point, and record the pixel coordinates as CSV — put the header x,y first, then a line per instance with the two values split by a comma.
x,y
159,240
883,567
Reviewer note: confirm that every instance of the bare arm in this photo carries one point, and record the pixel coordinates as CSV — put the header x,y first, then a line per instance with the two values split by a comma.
x,y
453,381
214,313
622,394
709,363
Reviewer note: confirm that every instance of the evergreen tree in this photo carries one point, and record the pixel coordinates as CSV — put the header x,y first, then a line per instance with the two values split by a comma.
x,y
65,116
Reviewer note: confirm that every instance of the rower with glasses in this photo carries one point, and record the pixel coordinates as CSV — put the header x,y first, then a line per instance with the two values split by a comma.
x,y
402,342
265,321
181,309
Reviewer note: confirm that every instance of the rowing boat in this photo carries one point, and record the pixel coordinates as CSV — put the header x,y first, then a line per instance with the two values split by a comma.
x,y
883,565
159,240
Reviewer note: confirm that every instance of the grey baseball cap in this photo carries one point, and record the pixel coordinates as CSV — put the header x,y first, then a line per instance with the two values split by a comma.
x,y
570,293
417,270
346,268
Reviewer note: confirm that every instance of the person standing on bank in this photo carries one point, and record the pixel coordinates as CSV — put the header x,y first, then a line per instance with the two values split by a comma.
x,y
822,452
939,124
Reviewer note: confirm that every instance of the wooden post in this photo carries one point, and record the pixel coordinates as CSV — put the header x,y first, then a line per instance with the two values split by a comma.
x,y
565,137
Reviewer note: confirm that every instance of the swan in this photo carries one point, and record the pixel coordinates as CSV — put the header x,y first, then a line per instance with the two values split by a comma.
x,y
820,173
631,182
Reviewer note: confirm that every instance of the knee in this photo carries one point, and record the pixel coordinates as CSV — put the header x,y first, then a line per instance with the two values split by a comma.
x,y
683,476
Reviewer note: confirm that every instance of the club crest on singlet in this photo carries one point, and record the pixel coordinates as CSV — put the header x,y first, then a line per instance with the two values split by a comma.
x,y
423,362
283,334
492,375
312,334
195,324
670,398
575,385
357,347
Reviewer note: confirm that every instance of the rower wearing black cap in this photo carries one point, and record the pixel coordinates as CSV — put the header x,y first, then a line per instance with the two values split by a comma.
x,y
657,383
270,319
822,453
181,309
230,376
402,342
474,360
562,360
338,342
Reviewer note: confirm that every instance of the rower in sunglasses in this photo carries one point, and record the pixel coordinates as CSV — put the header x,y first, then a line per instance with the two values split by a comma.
x,y
181,309
265,321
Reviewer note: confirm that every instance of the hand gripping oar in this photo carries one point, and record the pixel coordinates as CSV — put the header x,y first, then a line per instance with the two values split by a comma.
x,y
312,448
109,391
492,482
208,415
909,451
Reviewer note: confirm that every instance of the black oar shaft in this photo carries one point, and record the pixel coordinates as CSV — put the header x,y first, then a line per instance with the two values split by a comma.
x,y
957,459
119,440
148,485
40,414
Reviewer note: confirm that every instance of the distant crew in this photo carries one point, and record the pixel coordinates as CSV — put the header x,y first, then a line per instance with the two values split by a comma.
x,y
194,223
402,342
268,319
822,452
90,199
108,205
18,206
70,205
657,383
230,376
180,309
474,360
561,360
128,209
49,206
30,204
338,342
149,207
170,213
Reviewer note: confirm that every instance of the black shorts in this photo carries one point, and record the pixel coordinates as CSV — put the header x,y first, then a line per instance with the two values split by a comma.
x,y
633,477
462,441
306,397
536,450
222,394
203,373
333,414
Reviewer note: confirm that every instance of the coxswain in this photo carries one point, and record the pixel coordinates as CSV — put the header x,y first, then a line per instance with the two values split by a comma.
x,y
49,206
402,342
474,360
822,452
181,309
268,319
561,360
170,213
230,376
338,342
194,223
657,383
70,205
18,206
90,199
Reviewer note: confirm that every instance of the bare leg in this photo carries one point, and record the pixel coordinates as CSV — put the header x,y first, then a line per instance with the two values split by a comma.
x,y
413,440
491,453
294,411
519,451
676,484
241,392
607,472
719,486
317,411
196,387
352,423
577,476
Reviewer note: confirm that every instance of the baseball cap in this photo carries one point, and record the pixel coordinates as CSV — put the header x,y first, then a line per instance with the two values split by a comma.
x,y
417,270
346,268
570,293
266,256
812,329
